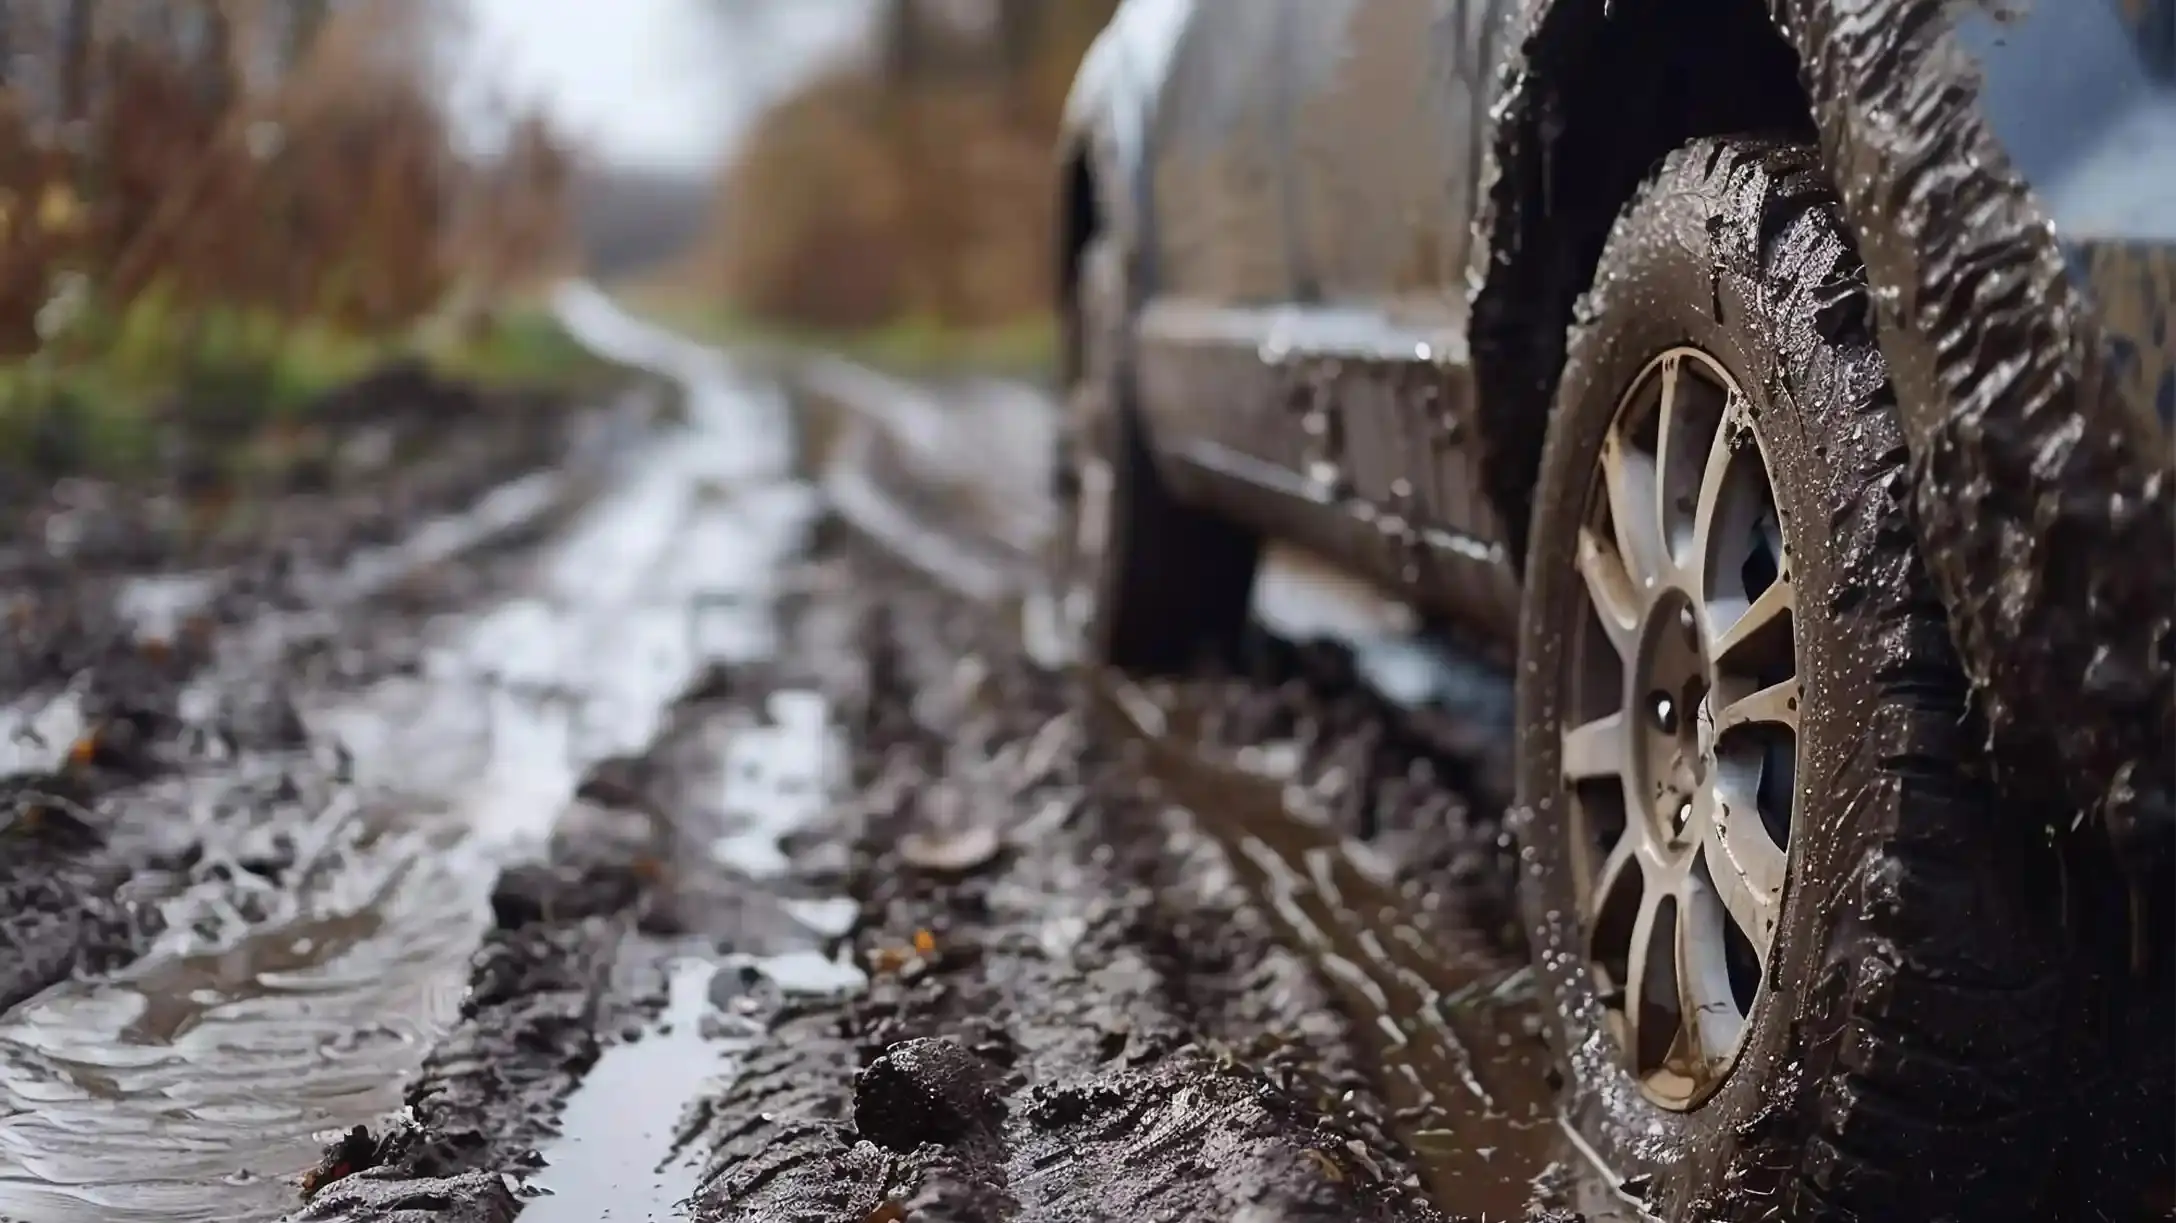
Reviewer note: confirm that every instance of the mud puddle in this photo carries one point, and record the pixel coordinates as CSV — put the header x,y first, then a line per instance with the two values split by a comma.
x,y
318,945
620,1156
624,1147
1451,1024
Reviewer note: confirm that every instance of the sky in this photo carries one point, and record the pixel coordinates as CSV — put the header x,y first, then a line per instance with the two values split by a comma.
x,y
654,83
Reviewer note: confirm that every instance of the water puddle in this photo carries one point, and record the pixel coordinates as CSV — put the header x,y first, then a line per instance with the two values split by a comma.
x,y
1453,1027
620,1157
622,1132
777,778
297,998
157,605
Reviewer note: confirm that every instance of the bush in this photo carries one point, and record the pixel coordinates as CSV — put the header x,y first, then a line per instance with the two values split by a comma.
x,y
213,210
915,184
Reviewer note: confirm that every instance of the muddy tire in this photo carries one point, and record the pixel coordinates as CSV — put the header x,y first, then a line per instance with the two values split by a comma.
x,y
1895,1052
1158,584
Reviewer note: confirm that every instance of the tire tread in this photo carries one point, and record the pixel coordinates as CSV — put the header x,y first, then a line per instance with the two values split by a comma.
x,y
1913,1097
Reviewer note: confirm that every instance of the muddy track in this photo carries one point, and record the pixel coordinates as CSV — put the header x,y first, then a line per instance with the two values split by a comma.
x,y
958,937
109,646
651,847
1072,1009
180,835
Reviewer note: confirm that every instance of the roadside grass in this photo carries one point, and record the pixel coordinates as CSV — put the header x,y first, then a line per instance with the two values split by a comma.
x,y
202,246
916,347
110,397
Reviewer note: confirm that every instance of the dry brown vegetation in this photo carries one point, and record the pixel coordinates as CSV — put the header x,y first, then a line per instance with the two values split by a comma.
x,y
214,212
277,159
916,185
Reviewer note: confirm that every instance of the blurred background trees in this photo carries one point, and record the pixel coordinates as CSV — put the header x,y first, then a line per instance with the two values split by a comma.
x,y
281,159
911,186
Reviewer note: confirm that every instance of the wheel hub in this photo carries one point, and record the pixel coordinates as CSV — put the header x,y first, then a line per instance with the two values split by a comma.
x,y
1673,675
1680,730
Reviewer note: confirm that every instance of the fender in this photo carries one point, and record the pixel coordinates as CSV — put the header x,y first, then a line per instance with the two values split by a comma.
x,y
1108,123
2042,478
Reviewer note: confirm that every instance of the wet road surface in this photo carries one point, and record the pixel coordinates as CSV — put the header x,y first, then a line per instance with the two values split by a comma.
x,y
709,829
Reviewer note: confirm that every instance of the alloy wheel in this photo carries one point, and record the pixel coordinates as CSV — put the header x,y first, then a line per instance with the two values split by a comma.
x,y
1680,703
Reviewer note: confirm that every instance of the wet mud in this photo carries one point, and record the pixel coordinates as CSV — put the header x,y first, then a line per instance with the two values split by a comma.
x,y
644,836
659,838
993,973
186,858
126,595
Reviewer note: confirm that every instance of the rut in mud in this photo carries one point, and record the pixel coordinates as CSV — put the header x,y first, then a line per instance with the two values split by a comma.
x,y
899,918
1050,994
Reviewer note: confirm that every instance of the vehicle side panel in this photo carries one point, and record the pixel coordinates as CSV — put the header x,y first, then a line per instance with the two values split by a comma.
x,y
1388,133
1318,388
1216,156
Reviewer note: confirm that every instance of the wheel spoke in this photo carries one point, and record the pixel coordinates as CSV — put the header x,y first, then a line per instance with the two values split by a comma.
x,y
1746,868
1653,1015
1712,1021
1634,508
1747,621
1774,705
1712,511
1669,422
1597,749
1689,425
1623,856
1615,594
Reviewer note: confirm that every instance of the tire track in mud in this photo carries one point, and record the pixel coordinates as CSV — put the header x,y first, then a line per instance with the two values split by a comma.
x,y
316,945
1067,994
1093,991
722,866
1072,1014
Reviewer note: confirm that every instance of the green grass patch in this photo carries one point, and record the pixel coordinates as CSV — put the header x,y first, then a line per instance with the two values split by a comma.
x,y
109,392
524,346
911,347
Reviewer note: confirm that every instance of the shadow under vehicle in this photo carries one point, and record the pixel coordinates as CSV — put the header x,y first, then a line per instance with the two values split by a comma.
x,y
1784,389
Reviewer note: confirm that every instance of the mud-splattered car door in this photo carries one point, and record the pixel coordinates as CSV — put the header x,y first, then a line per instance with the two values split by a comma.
x,y
1221,225
1390,110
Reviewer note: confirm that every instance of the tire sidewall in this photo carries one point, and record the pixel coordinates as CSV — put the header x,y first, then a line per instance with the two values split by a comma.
x,y
1681,270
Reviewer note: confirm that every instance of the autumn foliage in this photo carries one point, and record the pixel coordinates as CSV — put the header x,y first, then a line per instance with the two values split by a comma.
x,y
272,158
916,183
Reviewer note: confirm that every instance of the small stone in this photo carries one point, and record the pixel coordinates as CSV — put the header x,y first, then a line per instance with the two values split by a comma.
x,y
956,852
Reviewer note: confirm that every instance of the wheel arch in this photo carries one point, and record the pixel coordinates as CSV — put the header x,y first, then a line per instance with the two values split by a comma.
x,y
1080,215
1592,102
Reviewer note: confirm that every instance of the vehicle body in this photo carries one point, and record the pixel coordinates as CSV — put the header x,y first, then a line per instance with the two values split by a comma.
x,y
1351,236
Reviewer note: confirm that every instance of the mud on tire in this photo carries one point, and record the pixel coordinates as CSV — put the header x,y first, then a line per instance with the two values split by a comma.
x,y
1902,1057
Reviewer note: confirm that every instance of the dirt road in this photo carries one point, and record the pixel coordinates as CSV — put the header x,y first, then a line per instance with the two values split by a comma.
x,y
710,828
